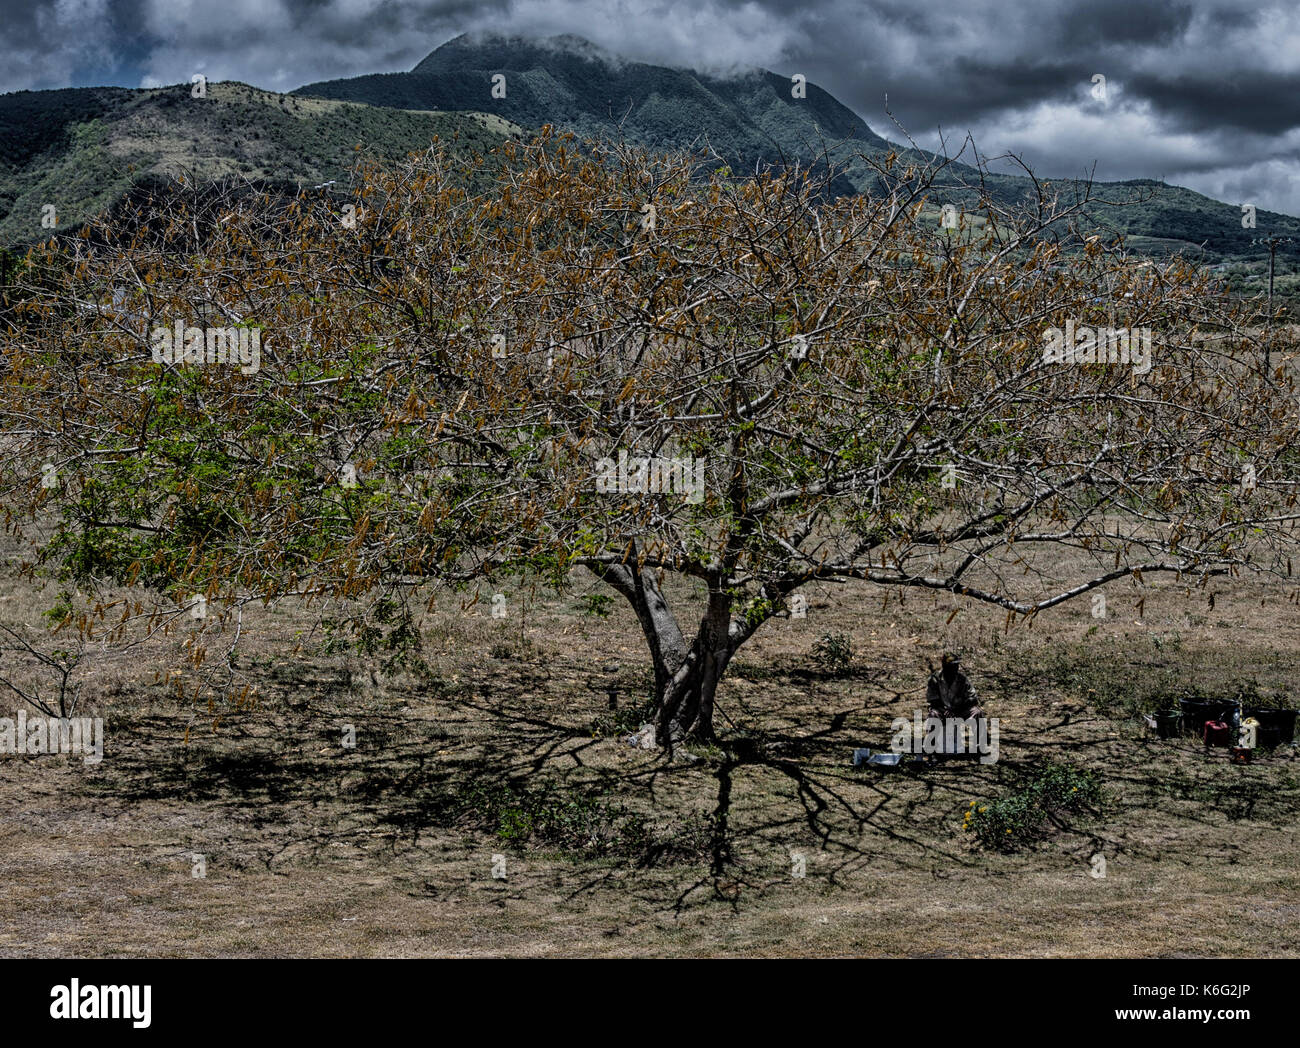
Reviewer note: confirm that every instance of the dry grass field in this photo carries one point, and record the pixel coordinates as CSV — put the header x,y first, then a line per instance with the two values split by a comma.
x,y
505,748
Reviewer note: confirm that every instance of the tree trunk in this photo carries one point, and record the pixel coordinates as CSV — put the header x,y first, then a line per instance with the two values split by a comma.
x,y
686,678
685,705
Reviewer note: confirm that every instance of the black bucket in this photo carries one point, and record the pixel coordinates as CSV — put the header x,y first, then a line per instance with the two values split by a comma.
x,y
1197,711
1167,723
1276,727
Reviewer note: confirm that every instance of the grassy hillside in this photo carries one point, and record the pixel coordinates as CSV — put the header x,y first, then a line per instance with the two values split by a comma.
x,y
83,150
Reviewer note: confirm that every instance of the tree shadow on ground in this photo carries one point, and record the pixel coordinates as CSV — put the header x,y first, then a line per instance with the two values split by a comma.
x,y
767,793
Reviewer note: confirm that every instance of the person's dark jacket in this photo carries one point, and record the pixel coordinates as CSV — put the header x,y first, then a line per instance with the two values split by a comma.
x,y
951,694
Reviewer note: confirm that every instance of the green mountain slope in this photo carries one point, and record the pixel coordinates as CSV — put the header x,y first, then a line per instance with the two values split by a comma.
x,y
82,150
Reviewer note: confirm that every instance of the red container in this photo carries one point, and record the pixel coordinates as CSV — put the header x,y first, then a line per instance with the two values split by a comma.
x,y
1217,733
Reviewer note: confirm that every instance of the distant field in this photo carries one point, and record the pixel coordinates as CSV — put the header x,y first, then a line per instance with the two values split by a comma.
x,y
388,850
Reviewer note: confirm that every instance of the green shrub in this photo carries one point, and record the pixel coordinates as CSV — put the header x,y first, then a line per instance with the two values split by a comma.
x,y
1022,816
596,604
567,819
834,651
1251,694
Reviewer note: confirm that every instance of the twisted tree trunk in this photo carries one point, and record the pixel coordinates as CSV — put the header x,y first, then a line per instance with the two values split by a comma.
x,y
686,676
685,706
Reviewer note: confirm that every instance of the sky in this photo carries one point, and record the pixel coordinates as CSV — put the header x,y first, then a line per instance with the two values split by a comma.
x,y
1204,95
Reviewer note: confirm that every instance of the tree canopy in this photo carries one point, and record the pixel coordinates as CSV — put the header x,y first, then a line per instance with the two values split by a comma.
x,y
571,355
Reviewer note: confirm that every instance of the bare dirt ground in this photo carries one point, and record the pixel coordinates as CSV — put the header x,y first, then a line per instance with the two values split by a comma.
x,y
388,849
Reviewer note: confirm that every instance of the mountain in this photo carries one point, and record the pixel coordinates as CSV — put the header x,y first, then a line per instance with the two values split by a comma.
x,y
566,81
751,118
84,149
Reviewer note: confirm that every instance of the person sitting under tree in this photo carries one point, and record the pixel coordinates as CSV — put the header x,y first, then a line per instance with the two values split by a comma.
x,y
950,692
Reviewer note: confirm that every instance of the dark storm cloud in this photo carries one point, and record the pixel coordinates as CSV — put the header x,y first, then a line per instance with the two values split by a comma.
x,y
1123,22
1205,94
1263,102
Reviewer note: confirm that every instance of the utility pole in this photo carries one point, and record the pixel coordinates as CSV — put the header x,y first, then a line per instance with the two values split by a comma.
x,y
1272,242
